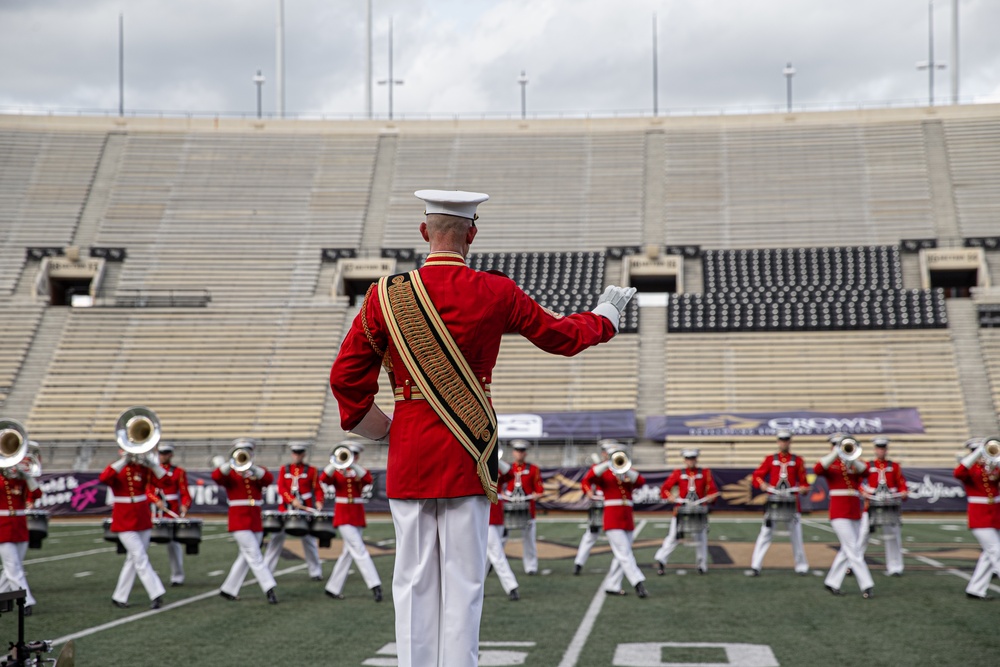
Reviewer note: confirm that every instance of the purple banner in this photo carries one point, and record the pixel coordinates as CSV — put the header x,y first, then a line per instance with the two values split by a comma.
x,y
931,489
592,425
893,420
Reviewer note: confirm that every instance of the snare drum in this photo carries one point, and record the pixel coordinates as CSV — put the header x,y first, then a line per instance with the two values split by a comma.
x,y
298,523
163,531
38,527
883,514
188,532
595,516
516,514
272,520
780,509
322,528
691,519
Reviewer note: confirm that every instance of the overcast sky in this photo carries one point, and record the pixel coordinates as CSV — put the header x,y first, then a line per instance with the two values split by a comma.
x,y
464,56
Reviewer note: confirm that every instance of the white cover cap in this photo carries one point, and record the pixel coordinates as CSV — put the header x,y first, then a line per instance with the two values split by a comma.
x,y
689,453
355,446
452,202
610,446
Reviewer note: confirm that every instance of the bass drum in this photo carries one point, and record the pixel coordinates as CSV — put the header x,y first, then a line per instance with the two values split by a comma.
x,y
322,528
188,532
38,527
298,523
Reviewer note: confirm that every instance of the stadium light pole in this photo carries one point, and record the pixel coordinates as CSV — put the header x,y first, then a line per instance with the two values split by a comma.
x,y
523,80
121,64
954,51
390,81
789,72
656,70
930,64
279,58
258,79
368,60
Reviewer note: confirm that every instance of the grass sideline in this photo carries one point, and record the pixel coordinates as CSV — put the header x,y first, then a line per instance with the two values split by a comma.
x,y
922,618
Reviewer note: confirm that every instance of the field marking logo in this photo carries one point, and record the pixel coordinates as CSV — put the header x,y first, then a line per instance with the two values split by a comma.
x,y
490,657
651,655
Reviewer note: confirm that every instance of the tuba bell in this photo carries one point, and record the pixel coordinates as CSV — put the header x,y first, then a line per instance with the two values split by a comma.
x,y
342,457
137,432
620,462
241,454
848,450
13,442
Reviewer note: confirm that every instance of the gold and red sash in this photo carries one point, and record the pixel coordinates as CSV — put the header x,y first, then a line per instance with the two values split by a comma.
x,y
441,371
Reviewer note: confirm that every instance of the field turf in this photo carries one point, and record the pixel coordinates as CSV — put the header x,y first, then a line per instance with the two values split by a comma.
x,y
922,618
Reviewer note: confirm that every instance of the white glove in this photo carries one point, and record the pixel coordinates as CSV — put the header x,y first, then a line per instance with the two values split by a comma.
x,y
329,470
503,467
970,459
158,470
859,465
225,468
30,482
256,472
375,426
612,303
120,464
828,460
358,470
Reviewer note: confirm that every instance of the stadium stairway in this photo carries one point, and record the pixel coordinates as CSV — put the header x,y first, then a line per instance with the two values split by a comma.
x,y
652,192
942,188
100,188
652,362
963,323
379,195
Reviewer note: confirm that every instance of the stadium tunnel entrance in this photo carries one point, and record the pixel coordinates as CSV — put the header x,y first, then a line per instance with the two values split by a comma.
x,y
955,270
654,272
354,276
68,280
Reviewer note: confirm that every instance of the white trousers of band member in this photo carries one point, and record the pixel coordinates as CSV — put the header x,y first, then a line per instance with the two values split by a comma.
x,y
136,544
670,543
530,549
850,555
989,561
12,578
624,562
794,536
310,549
438,578
498,559
356,552
587,543
249,558
892,540
175,554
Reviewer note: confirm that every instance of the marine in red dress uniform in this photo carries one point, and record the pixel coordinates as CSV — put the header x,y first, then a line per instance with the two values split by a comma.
x,y
884,477
619,524
129,478
172,494
431,481
527,477
495,539
298,489
245,493
589,539
979,473
781,470
18,491
693,484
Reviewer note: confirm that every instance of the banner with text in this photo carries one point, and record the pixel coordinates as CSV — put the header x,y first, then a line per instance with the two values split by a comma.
x,y
714,424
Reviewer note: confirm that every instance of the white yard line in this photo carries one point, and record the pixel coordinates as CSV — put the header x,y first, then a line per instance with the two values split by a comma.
x,y
102,550
575,647
152,612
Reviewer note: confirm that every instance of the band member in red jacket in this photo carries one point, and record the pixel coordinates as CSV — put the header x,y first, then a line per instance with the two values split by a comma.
x,y
18,491
693,484
782,470
437,330
349,517
844,476
172,494
528,478
589,539
298,489
979,472
129,477
245,492
619,523
885,477
495,540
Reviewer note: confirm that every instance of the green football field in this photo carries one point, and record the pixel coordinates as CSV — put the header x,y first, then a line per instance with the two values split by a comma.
x,y
724,617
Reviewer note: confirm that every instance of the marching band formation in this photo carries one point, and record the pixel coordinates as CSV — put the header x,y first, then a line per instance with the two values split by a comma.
x,y
151,500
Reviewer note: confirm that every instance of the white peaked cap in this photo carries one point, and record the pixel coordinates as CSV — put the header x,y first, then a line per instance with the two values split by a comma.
x,y
451,202
610,446
356,447
689,453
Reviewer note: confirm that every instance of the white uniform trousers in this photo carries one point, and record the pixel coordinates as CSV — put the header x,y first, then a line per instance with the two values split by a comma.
x,y
136,544
794,536
587,543
356,552
850,555
892,540
498,559
248,558
175,554
310,549
624,562
989,561
670,543
12,578
437,582
530,549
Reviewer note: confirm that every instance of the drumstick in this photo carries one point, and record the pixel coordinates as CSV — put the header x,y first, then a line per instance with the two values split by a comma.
x,y
173,514
707,498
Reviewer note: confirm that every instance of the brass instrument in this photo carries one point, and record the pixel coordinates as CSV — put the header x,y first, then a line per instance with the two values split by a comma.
x,y
241,454
849,450
13,443
991,452
32,462
342,457
138,432
620,462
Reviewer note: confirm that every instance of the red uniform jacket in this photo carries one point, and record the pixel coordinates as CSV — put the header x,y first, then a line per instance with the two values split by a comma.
x,y
245,496
347,485
845,499
304,477
771,470
496,509
617,496
173,488
982,491
894,479
699,478
425,459
530,477
14,499
130,511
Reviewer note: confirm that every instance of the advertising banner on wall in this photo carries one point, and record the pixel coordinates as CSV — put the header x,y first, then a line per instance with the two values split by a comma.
x,y
715,424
